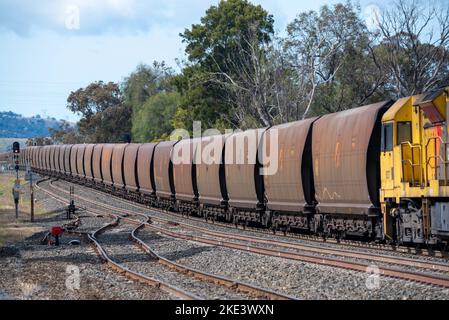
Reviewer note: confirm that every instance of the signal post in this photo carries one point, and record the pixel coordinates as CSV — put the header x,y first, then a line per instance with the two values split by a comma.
x,y
16,189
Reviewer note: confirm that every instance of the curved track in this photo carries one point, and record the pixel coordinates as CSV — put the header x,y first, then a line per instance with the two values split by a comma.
x,y
238,286
232,241
296,236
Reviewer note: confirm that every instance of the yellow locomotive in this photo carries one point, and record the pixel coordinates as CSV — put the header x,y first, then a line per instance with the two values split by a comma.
x,y
415,168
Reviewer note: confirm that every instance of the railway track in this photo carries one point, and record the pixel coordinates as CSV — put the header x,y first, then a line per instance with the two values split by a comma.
x,y
229,241
437,266
183,271
92,237
295,236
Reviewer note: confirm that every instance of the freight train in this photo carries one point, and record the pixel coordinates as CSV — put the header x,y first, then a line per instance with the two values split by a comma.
x,y
379,172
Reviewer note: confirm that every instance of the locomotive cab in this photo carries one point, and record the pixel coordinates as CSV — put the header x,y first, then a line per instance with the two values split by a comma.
x,y
415,169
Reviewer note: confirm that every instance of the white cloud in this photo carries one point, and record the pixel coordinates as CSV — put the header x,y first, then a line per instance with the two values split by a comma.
x,y
98,17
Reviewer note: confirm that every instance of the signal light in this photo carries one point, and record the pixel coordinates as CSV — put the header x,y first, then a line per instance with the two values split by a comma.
x,y
16,147
56,231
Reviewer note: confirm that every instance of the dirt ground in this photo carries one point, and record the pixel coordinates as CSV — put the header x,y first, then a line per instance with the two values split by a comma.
x,y
12,229
33,270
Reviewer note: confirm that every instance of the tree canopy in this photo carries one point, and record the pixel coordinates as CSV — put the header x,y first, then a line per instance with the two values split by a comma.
x,y
210,46
239,73
104,115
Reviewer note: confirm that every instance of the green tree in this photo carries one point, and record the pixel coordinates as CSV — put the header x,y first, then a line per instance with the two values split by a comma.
x,y
331,51
210,45
65,134
105,117
39,141
145,82
154,120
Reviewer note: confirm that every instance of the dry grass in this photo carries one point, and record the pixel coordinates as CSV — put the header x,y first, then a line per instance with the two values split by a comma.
x,y
11,229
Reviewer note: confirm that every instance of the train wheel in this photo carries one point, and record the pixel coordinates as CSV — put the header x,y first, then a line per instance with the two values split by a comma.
x,y
275,227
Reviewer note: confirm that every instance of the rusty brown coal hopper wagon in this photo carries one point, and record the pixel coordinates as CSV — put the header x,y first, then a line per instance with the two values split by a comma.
x,y
346,153
88,169
244,181
51,160
97,164
60,153
106,166
67,162
210,177
44,157
118,178
57,160
35,158
163,174
184,175
130,175
80,171
40,159
75,154
33,162
145,173
288,178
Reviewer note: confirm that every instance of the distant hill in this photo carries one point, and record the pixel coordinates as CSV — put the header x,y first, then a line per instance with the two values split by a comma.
x,y
13,125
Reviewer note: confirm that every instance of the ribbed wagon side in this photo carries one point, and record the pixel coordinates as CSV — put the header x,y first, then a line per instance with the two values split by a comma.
x,y
97,164
80,171
106,165
73,161
184,175
288,175
210,177
67,162
163,174
244,182
117,167
88,170
130,169
52,160
145,172
42,159
61,160
46,159
22,157
34,151
57,157
346,166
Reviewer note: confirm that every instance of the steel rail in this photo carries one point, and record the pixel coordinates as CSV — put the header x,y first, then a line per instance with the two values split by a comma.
x,y
239,286
117,267
133,275
343,242
284,244
385,271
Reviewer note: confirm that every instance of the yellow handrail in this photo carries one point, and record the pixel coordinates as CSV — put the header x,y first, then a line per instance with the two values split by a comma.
x,y
436,157
412,161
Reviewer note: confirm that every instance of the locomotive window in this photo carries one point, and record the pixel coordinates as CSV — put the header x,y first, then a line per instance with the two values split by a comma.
x,y
387,137
404,130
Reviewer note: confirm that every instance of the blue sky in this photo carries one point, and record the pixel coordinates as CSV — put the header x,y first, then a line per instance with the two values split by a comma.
x,y
45,53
